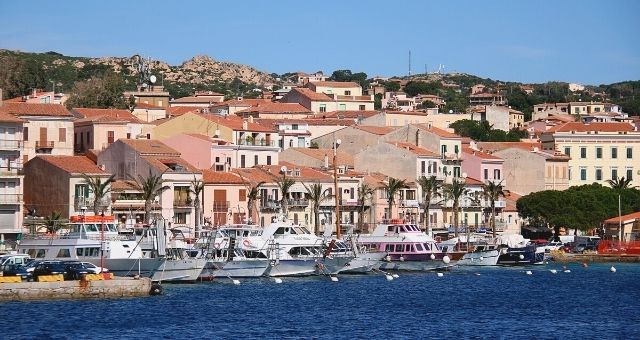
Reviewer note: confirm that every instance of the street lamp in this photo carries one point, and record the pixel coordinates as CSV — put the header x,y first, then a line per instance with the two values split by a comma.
x,y
336,143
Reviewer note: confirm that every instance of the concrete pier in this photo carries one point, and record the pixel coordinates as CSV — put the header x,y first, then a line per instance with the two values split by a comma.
x,y
593,257
83,289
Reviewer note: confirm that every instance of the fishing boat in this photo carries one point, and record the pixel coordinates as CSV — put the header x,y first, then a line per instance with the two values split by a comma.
x,y
407,247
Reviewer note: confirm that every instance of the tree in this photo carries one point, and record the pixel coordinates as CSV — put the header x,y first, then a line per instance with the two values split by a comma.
x,y
392,187
492,191
427,104
99,92
150,186
197,188
391,86
284,184
52,222
454,191
365,192
430,189
619,184
253,195
100,190
347,75
316,196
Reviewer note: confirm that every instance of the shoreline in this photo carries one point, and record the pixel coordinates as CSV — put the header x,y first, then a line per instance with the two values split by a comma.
x,y
595,258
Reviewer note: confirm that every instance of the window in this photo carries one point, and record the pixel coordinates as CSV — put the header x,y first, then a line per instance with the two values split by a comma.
x,y
64,253
62,135
294,127
110,137
362,107
629,174
486,174
583,152
242,161
614,152
567,151
268,160
496,174
443,149
456,172
629,153
598,174
423,167
217,159
583,173
577,110
614,173
180,218
456,149
343,107
569,173
323,107
411,195
25,134
598,152
242,194
255,160
347,93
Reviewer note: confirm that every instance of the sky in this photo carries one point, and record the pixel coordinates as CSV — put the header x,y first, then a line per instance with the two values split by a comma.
x,y
581,41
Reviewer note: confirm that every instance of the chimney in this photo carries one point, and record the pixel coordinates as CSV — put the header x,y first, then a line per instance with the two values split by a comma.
x,y
251,119
245,125
326,161
34,92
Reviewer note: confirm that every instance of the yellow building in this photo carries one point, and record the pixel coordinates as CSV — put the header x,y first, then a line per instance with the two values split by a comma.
x,y
598,151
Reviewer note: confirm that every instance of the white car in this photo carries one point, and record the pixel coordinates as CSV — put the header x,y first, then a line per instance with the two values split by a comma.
x,y
95,269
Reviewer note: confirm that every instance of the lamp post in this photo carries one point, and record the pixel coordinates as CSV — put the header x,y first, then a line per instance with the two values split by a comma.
x,y
336,143
101,240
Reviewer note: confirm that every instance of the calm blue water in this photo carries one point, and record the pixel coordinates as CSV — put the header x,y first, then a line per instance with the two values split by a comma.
x,y
500,303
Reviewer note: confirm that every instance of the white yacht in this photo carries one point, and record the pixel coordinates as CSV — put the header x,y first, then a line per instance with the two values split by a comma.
x,y
476,252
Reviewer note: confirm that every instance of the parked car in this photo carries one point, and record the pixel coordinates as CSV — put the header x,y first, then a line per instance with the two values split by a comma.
x,y
16,270
75,270
31,265
95,269
568,247
49,268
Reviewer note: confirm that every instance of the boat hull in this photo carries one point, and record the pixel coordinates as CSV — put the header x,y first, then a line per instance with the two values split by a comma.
x,y
480,258
184,270
235,268
144,267
308,266
363,263
522,256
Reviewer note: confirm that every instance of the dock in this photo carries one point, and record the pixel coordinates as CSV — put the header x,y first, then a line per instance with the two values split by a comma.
x,y
595,258
52,288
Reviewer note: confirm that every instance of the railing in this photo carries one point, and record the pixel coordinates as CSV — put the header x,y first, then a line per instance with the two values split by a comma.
x,y
13,169
439,176
10,198
348,202
270,205
11,144
220,206
259,142
182,202
44,144
409,203
297,202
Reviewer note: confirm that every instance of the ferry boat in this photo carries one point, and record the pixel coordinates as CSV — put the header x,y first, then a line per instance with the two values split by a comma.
x,y
407,247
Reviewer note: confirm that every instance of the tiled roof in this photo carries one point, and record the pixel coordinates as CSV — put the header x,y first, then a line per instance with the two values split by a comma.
x,y
255,175
180,110
271,107
22,99
122,185
117,115
27,109
341,157
344,84
592,127
625,218
150,147
472,181
73,164
376,130
198,100
217,141
9,118
207,93
313,96
219,177
480,154
306,173
235,123
438,131
351,114
330,122
165,163
242,102
414,149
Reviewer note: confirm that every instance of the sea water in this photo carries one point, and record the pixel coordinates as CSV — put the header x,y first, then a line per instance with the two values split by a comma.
x,y
505,303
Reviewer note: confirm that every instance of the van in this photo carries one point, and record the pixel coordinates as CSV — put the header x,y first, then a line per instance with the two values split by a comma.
x,y
18,259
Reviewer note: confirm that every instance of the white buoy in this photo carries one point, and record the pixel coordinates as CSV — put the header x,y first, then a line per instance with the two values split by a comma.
x,y
236,282
446,259
433,257
277,280
529,272
440,275
395,276
401,258
553,271
521,257
481,258
612,269
388,277
567,271
334,278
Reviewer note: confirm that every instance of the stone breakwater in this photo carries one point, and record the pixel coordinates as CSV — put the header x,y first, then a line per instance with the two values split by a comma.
x,y
116,288
593,257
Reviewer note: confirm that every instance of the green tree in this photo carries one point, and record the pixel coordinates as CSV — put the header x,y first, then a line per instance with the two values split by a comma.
x,y
150,187
100,189
392,187
52,222
492,191
391,86
106,92
197,189
619,184
365,192
316,196
455,191
253,195
285,184
430,189
377,103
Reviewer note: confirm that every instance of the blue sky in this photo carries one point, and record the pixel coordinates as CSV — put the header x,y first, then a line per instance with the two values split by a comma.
x,y
589,42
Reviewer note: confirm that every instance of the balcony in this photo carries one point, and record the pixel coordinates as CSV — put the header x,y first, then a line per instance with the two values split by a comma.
x,y
11,198
439,176
270,205
297,203
331,202
42,145
11,170
220,206
11,144
182,202
258,142
409,203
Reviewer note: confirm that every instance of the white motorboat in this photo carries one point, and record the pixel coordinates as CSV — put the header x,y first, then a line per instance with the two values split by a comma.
x,y
476,252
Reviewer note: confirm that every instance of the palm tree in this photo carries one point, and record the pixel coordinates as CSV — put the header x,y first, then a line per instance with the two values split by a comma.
x,y
316,196
454,191
197,188
620,183
253,195
392,187
493,191
285,185
150,186
365,192
99,189
430,189
52,222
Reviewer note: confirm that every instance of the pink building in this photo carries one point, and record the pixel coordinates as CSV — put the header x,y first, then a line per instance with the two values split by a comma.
x,y
482,165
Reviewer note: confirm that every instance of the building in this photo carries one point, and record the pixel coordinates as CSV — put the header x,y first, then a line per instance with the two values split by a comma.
x,y
630,227
40,97
398,101
149,113
316,158
230,107
225,198
598,151
47,128
150,94
11,180
292,132
541,111
325,96
98,128
487,99
133,159
401,118
499,117
318,103
56,183
483,166
202,99
271,110
353,138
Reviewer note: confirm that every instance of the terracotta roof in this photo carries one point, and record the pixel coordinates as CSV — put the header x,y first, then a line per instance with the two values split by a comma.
x,y
342,158
414,149
625,218
74,164
219,177
480,154
147,106
376,130
592,127
165,164
242,102
330,122
26,109
9,118
313,96
180,110
217,141
271,107
122,185
116,115
375,179
351,114
150,147
255,175
438,131
198,100
306,173
235,123
22,99
344,84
